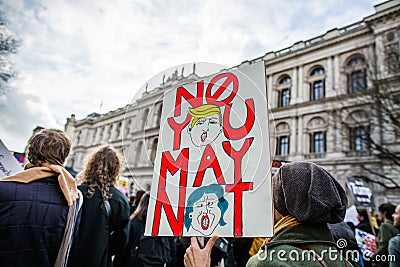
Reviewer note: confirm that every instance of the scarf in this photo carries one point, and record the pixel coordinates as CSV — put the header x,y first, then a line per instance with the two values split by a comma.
x,y
66,244
32,173
285,223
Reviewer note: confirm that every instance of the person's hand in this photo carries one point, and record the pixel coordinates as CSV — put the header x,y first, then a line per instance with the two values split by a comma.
x,y
197,257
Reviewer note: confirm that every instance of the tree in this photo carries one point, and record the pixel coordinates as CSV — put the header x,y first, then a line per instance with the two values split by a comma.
x,y
385,96
376,132
9,45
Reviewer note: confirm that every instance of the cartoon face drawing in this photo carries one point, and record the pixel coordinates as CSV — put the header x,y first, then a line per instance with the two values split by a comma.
x,y
206,124
206,214
205,209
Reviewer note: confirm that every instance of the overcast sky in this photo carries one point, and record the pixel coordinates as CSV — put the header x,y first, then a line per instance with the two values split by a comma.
x,y
84,56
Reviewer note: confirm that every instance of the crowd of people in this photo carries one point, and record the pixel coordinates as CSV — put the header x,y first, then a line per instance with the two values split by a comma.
x,y
49,218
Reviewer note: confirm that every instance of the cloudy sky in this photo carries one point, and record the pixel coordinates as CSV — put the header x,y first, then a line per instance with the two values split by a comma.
x,y
84,56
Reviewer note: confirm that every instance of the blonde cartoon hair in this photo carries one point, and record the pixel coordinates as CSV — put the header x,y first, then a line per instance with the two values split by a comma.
x,y
204,111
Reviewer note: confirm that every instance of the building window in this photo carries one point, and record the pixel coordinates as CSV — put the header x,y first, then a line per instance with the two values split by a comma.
x,y
144,118
317,84
357,81
284,91
285,98
356,75
118,130
127,127
110,128
78,138
158,115
317,142
153,151
283,145
393,57
94,136
359,138
138,152
317,90
317,71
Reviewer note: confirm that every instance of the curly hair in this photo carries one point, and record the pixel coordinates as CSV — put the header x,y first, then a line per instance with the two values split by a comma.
x,y
102,169
48,146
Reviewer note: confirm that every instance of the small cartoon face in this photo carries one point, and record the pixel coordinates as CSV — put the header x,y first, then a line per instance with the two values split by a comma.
x,y
206,214
205,130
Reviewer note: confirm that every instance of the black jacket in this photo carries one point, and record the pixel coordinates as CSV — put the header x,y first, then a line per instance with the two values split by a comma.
x,y
32,221
365,226
100,237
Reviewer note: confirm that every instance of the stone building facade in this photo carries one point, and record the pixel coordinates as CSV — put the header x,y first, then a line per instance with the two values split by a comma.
x,y
132,130
319,97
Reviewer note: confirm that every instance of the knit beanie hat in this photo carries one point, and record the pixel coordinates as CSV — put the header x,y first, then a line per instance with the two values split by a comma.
x,y
309,193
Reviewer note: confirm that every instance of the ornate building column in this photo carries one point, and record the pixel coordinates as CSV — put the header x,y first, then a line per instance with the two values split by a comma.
x,y
300,136
336,75
331,133
270,93
330,76
292,139
300,85
294,90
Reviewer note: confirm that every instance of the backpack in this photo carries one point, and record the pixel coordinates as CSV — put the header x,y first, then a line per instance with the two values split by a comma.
x,y
150,251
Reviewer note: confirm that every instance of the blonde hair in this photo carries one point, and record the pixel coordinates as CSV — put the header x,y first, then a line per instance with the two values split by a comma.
x,y
204,111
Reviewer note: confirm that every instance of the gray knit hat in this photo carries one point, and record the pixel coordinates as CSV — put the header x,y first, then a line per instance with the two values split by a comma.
x,y
309,193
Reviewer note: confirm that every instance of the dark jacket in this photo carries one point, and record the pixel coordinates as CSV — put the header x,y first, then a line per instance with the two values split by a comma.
x,y
288,246
365,226
32,221
137,229
386,232
99,237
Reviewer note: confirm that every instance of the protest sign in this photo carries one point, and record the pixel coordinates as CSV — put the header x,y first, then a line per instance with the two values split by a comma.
x,y
122,184
351,215
212,168
360,192
8,163
366,242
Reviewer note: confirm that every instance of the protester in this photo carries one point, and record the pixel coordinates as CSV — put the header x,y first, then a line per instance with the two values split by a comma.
x,y
306,199
104,228
386,232
138,197
240,248
394,243
342,230
39,206
145,251
132,206
364,224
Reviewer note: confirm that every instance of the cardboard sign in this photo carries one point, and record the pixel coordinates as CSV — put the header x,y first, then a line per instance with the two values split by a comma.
x,y
351,215
212,168
122,184
361,193
366,242
8,163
